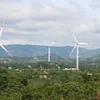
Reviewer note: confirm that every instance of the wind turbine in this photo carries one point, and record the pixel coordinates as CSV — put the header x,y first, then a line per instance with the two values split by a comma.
x,y
77,51
1,43
49,51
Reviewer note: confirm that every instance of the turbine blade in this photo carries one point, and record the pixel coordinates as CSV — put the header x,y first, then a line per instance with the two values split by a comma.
x,y
1,29
82,43
52,43
89,42
3,24
73,49
5,49
85,43
75,38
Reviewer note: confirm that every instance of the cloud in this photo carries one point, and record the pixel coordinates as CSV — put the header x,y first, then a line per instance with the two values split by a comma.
x,y
95,4
36,22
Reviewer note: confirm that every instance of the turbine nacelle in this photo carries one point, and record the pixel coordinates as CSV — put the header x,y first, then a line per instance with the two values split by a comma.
x,y
76,41
77,52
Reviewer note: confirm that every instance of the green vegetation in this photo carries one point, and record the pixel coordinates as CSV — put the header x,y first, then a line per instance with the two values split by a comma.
x,y
48,81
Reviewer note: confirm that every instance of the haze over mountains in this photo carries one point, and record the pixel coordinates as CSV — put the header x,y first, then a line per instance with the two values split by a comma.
x,y
36,50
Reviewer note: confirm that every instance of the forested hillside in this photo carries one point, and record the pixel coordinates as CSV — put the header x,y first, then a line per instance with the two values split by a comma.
x,y
36,50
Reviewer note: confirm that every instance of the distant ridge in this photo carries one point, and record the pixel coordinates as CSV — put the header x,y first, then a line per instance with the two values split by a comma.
x,y
37,50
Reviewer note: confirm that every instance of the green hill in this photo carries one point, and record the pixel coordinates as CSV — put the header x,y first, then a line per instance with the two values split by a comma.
x,y
36,50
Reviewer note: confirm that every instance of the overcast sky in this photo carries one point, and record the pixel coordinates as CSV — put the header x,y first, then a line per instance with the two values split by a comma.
x,y
40,22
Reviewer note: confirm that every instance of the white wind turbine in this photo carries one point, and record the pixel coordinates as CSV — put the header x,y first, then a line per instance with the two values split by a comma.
x,y
49,51
1,43
77,51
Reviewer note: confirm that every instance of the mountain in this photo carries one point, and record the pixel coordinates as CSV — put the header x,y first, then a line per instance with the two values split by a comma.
x,y
36,50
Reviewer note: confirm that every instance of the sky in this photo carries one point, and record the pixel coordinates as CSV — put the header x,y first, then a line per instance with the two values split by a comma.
x,y
40,22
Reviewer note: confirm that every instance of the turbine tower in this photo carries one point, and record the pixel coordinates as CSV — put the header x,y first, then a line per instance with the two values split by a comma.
x,y
49,51
77,51
1,43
